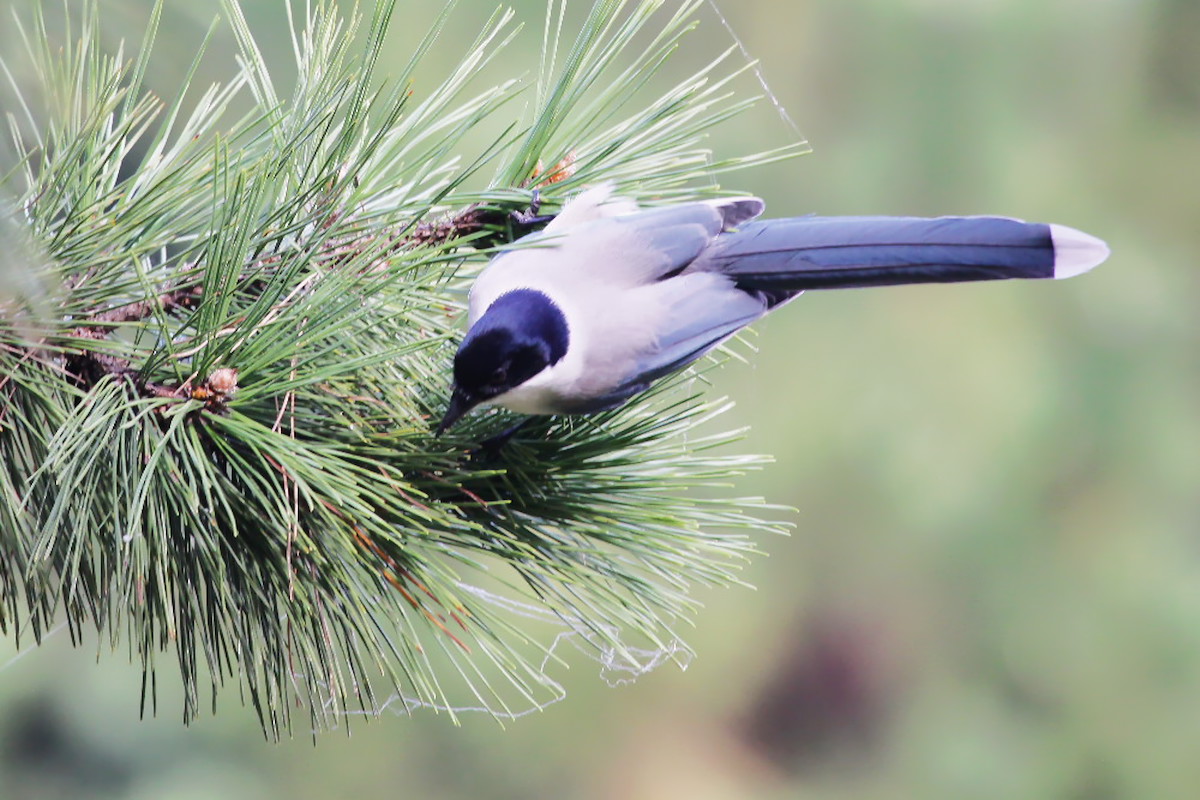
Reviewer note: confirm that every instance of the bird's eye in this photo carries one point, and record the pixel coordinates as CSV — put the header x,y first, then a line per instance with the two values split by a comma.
x,y
499,376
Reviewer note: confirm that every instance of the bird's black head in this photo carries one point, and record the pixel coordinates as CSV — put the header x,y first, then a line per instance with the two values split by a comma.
x,y
520,334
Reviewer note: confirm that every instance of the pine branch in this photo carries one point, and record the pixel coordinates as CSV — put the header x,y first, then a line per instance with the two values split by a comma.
x,y
89,367
228,330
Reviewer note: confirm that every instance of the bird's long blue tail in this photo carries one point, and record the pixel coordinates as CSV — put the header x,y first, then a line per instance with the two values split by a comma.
x,y
791,255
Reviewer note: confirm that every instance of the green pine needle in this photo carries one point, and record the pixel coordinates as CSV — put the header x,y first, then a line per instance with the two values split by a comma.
x,y
225,327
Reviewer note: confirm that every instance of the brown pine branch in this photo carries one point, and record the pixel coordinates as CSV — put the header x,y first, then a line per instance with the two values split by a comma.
x,y
89,366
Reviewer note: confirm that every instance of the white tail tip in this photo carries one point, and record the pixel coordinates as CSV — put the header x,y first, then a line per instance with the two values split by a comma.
x,y
1075,252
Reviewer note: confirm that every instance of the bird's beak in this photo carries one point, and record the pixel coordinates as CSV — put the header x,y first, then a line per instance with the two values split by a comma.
x,y
460,403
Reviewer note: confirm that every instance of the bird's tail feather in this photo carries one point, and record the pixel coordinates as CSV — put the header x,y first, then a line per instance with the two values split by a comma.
x,y
791,255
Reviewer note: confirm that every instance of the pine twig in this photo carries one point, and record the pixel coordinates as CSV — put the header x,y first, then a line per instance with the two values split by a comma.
x,y
90,366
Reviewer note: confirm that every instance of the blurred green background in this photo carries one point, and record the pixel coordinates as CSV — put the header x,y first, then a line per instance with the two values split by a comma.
x,y
993,586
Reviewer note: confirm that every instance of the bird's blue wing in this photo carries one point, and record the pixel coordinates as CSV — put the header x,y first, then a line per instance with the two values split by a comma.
x,y
696,312
625,250
669,239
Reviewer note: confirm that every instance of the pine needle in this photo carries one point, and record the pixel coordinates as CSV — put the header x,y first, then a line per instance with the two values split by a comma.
x,y
225,326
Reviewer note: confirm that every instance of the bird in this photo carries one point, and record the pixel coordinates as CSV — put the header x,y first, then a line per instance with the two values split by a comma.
x,y
607,298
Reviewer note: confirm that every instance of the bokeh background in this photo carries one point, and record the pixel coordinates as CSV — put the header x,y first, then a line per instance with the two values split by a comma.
x,y
992,589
